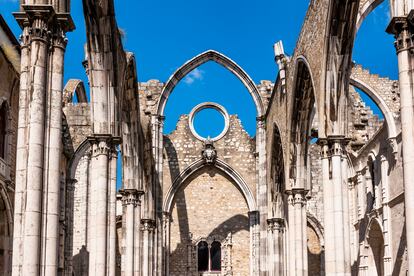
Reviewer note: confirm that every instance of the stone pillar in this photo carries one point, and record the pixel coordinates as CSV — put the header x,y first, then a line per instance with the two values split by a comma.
x,y
37,198
21,152
299,228
262,197
276,246
147,228
334,178
130,202
291,235
386,218
102,147
112,248
401,26
166,223
254,242
53,152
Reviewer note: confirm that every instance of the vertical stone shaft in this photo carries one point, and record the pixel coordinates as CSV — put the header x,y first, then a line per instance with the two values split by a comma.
x,y
34,191
262,193
99,206
53,151
404,42
338,208
147,229
346,217
112,214
330,266
388,267
166,239
137,237
129,234
300,256
21,155
291,235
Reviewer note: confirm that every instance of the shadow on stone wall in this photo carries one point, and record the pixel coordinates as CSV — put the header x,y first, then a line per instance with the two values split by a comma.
x,y
81,262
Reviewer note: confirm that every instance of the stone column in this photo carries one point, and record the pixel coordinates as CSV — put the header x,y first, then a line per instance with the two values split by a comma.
x,y
337,254
21,152
386,218
37,198
147,228
130,201
328,209
403,30
113,155
291,235
53,152
166,223
102,146
299,228
262,192
276,247
254,242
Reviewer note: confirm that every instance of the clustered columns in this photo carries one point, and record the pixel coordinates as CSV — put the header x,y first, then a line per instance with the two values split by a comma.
x,y
131,201
402,27
335,196
297,232
276,230
101,210
37,197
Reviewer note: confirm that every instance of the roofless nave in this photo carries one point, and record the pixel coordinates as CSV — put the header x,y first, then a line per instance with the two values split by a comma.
x,y
275,204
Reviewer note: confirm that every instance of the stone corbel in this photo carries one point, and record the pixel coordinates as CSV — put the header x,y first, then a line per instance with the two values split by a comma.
x,y
393,145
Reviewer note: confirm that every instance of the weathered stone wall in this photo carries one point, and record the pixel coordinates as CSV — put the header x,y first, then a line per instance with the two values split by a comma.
x,y
209,205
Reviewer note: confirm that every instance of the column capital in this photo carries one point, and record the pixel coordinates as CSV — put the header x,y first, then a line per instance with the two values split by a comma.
x,y
131,196
103,143
276,224
147,225
261,122
402,28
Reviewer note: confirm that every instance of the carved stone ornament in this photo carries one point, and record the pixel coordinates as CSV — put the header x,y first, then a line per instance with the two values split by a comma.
x,y
209,153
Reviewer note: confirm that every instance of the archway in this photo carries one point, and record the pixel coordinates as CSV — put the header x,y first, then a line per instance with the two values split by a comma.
x,y
200,59
216,210
375,254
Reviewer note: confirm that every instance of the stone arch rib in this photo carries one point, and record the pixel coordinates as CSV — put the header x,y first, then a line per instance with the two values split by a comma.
x,y
365,8
200,59
74,86
221,166
388,114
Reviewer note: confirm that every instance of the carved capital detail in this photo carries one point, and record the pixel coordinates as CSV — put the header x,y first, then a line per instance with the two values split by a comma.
x,y
103,144
147,225
276,225
131,197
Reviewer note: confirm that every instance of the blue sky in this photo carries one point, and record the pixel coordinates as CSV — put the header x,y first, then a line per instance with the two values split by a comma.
x,y
164,34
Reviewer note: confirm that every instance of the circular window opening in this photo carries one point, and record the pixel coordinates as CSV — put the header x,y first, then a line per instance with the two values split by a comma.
x,y
208,123
209,120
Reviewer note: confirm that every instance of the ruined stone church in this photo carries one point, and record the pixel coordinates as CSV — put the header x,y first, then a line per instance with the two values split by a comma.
x,y
324,188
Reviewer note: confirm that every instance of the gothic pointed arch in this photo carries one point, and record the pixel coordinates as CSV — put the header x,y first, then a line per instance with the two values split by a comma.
x,y
277,173
200,59
222,167
303,110
365,8
380,102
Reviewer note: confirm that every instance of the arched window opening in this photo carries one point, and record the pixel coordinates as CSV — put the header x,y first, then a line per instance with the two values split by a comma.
x,y
203,256
371,188
3,130
209,256
215,256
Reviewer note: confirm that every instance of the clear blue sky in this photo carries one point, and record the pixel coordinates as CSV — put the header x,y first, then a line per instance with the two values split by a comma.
x,y
164,34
